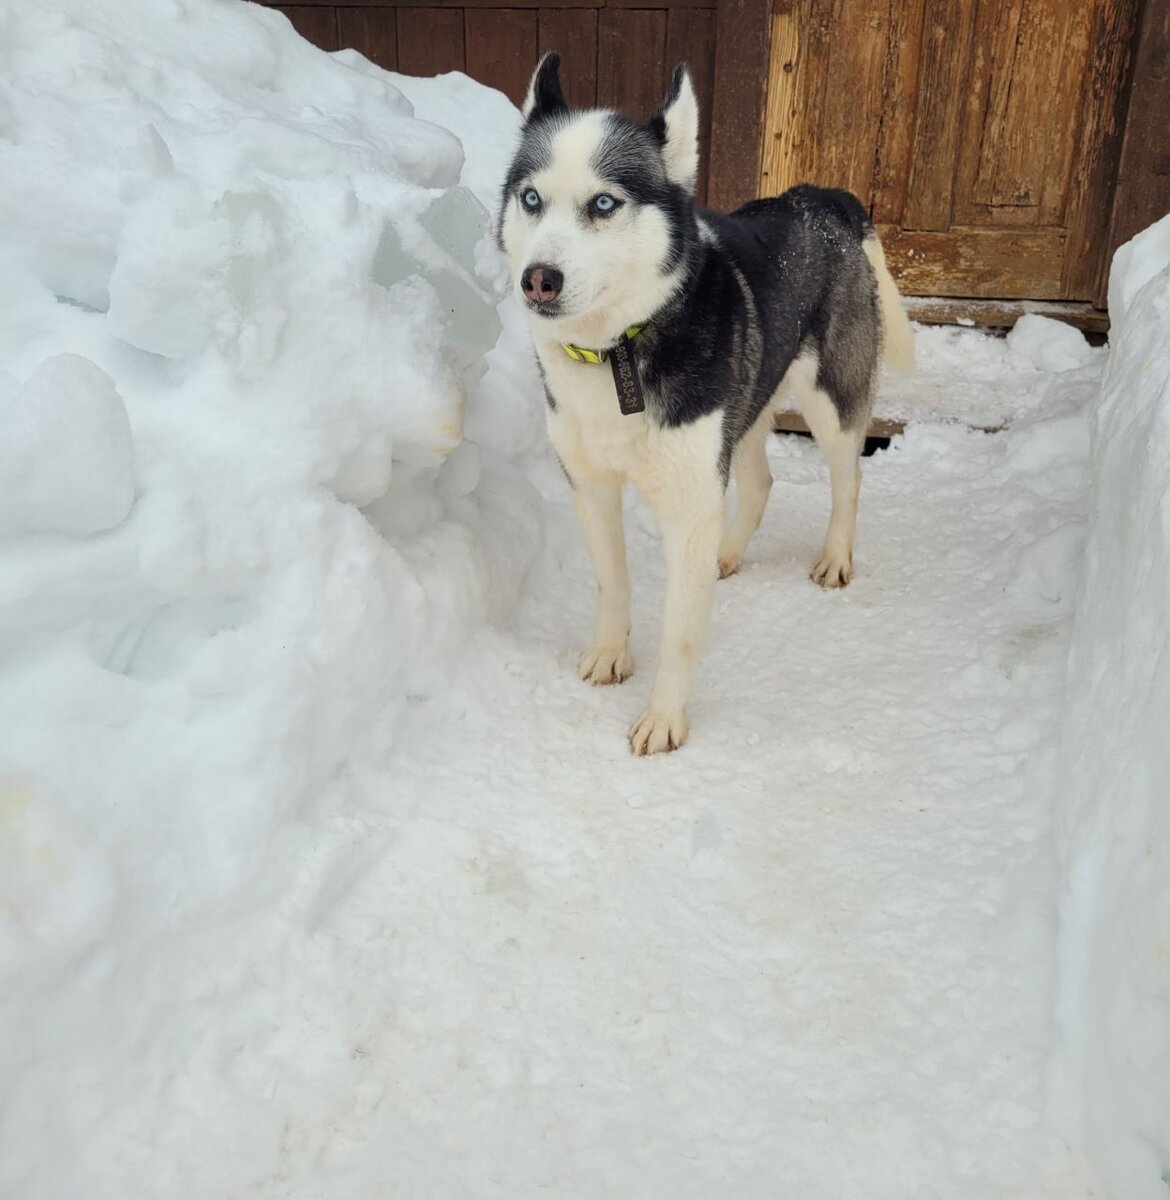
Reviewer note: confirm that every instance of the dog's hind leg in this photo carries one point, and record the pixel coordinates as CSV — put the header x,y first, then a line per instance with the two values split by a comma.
x,y
753,483
599,510
842,450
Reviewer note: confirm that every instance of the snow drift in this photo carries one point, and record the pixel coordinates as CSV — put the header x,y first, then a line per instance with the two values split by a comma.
x,y
1113,1081
243,549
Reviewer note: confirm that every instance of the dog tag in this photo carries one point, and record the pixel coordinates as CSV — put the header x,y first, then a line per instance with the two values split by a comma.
x,y
626,378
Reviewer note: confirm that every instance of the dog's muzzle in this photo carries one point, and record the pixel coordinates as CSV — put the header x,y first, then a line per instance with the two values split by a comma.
x,y
541,284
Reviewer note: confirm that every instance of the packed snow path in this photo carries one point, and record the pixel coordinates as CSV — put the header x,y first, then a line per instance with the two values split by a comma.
x,y
809,955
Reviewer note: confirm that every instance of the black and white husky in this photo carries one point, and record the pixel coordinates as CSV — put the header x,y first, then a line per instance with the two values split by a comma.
x,y
664,335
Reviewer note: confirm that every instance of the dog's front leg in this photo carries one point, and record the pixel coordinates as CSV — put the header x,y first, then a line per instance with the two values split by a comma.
x,y
691,516
599,509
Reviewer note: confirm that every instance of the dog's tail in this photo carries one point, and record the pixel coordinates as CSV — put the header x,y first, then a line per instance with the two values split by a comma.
x,y
897,332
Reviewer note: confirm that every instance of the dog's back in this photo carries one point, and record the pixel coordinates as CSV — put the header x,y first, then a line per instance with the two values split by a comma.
x,y
816,268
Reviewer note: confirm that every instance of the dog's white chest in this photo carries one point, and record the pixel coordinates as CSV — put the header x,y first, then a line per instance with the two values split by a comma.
x,y
588,429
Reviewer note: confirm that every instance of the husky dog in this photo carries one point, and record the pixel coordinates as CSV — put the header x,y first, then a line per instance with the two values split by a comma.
x,y
664,335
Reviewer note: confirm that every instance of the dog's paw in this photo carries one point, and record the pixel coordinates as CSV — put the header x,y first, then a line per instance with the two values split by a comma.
x,y
729,564
833,571
606,664
656,732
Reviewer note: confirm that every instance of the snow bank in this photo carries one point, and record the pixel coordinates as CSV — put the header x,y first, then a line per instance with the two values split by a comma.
x,y
1134,265
1113,820
243,301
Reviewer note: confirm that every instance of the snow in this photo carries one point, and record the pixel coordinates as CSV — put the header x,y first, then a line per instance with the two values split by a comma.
x,y
1134,265
1048,344
321,873
989,382
1112,1081
66,453
241,295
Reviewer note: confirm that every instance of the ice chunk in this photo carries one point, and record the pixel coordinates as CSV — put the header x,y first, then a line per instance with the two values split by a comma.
x,y
66,451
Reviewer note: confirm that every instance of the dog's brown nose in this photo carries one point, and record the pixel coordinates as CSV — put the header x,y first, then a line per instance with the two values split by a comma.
x,y
541,283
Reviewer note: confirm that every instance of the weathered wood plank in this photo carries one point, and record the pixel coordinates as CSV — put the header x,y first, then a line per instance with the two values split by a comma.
x,y
316,25
631,60
1022,112
741,76
993,80
899,109
572,32
430,41
501,48
948,41
789,118
1098,147
1143,180
690,38
1067,121
852,105
1002,314
371,31
966,261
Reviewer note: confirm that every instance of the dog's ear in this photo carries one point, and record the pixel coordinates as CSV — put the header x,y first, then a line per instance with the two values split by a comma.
x,y
676,126
545,97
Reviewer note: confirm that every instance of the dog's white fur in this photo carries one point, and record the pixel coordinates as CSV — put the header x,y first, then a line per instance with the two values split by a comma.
x,y
897,332
680,152
607,289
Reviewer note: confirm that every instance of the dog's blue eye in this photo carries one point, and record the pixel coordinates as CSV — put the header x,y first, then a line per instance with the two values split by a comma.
x,y
604,204
530,198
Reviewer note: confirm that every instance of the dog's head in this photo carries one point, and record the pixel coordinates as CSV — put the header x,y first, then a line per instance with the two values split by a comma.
x,y
597,209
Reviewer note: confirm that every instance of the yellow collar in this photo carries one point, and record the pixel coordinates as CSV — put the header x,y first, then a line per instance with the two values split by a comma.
x,y
580,354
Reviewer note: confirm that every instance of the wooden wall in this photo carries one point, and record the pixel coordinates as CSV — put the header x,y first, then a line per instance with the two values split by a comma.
x,y
983,134
617,53
1004,147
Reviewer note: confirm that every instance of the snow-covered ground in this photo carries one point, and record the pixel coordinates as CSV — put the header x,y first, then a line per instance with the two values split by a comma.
x,y
322,875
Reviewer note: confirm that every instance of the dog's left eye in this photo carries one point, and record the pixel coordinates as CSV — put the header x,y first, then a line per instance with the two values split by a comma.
x,y
603,204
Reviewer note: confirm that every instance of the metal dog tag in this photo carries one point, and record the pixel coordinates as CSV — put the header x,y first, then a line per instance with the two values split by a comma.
x,y
626,378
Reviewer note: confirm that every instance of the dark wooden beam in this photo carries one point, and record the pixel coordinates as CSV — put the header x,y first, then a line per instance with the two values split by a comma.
x,y
1142,194
742,33
651,5
879,427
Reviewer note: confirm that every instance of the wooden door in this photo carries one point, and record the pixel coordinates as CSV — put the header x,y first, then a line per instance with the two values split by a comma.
x,y
982,134
617,53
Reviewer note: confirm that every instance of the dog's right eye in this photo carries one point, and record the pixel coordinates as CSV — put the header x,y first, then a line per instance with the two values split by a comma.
x,y
530,198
